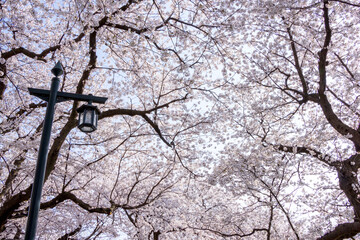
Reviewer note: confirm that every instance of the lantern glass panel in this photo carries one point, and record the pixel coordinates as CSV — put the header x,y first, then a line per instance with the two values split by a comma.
x,y
87,129
81,116
96,119
88,116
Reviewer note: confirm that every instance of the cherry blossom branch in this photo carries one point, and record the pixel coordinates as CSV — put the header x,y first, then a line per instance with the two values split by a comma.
x,y
309,151
271,217
349,183
277,201
72,233
41,56
29,53
65,185
297,65
345,2
342,231
45,52
143,114
128,4
324,50
13,174
343,102
347,171
64,196
143,30
182,163
11,204
345,66
255,230
326,107
131,112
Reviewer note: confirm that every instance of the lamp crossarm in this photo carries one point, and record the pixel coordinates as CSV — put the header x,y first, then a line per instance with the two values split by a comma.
x,y
64,96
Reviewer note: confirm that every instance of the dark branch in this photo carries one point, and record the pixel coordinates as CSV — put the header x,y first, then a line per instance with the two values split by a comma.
x,y
67,235
345,66
342,231
345,2
309,151
297,65
332,118
255,230
143,114
323,52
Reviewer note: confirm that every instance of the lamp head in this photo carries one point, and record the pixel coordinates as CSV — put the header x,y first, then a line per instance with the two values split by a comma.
x,y
88,117
57,70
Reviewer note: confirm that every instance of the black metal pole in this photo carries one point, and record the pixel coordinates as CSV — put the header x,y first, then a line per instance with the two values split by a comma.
x,y
41,163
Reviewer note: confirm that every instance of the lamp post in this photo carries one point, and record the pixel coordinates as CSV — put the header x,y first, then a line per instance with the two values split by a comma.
x,y
88,116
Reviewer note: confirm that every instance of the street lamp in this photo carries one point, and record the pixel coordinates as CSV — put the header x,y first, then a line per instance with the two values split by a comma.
x,y
88,116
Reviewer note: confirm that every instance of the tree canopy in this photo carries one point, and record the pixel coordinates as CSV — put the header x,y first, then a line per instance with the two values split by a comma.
x,y
225,119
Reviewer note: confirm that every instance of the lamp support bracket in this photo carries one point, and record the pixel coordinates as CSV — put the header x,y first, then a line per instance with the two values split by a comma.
x,y
64,96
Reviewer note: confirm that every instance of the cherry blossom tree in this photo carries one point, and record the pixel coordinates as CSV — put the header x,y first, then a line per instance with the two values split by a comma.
x,y
126,177
295,100
225,119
